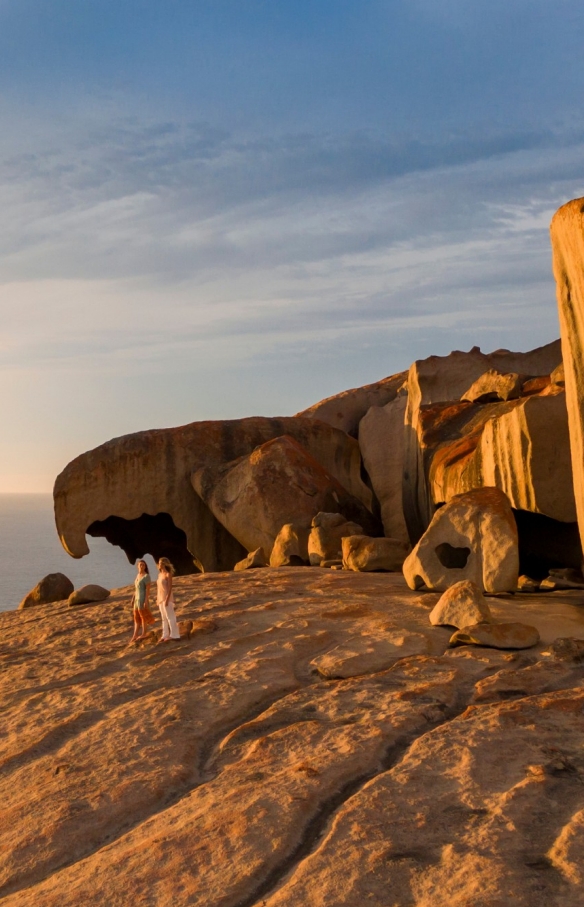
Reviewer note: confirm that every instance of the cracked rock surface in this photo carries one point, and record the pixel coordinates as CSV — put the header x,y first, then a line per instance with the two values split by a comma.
x,y
313,742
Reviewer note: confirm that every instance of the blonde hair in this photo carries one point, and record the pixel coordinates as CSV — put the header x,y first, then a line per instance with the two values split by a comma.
x,y
165,565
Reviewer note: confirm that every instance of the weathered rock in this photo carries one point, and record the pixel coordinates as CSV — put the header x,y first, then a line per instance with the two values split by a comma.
x,y
365,654
493,386
432,383
290,548
136,490
333,564
278,483
345,410
254,559
462,605
54,587
86,595
527,584
498,636
474,537
363,554
567,234
566,578
567,648
326,533
381,439
558,375
541,677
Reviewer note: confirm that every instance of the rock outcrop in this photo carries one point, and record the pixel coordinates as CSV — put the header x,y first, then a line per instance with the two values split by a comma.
x,y
345,410
326,534
52,588
137,492
364,554
279,482
473,537
567,234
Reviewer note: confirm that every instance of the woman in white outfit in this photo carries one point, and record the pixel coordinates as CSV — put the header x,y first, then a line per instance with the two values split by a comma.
x,y
165,601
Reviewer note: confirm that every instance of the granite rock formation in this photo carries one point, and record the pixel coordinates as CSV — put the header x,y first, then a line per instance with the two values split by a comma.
x,y
326,535
52,588
345,410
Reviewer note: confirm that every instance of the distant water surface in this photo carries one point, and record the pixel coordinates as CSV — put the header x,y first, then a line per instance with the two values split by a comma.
x,y
30,548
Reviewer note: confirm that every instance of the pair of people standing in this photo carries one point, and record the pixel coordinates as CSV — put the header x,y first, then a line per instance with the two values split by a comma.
x,y
164,599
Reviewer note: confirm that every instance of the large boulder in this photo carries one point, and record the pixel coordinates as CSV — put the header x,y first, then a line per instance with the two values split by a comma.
x,y
364,554
435,386
345,410
54,587
474,537
278,483
88,594
136,490
326,534
567,234
381,439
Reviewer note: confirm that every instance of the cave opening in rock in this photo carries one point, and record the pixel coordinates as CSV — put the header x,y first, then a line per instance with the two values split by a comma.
x,y
451,557
545,543
155,535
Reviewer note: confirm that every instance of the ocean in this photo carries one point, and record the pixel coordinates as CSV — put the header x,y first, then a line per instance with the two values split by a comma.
x,y
30,548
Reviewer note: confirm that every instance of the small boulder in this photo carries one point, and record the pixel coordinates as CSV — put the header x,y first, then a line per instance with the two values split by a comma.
x,y
327,531
55,587
567,648
472,537
364,554
566,578
463,605
494,386
290,547
87,595
496,636
527,584
254,559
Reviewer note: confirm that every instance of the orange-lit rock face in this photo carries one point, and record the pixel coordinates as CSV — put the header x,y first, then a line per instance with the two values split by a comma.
x,y
149,473
567,234
278,483
345,410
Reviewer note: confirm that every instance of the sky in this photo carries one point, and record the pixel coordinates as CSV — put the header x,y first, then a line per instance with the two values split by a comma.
x,y
219,209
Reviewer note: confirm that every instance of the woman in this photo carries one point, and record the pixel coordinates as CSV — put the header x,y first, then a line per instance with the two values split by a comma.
x,y
142,614
166,601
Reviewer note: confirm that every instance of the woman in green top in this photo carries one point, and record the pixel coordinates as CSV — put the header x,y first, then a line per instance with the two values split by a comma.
x,y
142,614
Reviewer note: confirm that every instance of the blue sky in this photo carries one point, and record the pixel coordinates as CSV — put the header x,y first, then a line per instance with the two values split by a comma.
x,y
218,209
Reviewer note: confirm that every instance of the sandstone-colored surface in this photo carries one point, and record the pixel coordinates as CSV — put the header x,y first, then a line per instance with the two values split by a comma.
x,y
52,588
364,554
527,584
345,410
279,482
499,636
327,531
492,386
473,537
307,742
290,547
88,594
567,235
136,490
462,605
432,383
254,559
381,439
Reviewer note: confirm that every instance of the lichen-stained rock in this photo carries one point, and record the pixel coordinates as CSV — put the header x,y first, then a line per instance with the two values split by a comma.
x,y
381,439
137,492
326,534
435,381
290,548
567,234
493,386
473,537
462,605
345,410
521,447
510,635
364,554
54,587
279,482
254,559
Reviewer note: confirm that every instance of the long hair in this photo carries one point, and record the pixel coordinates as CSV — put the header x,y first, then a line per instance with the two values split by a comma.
x,y
165,565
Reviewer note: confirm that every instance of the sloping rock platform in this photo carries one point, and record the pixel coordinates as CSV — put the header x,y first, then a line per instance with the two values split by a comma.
x,y
312,742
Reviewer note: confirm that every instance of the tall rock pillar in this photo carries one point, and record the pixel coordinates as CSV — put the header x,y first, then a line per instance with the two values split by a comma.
x,y
567,234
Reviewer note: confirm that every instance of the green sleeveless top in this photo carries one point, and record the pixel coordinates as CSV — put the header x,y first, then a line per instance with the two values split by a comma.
x,y
140,585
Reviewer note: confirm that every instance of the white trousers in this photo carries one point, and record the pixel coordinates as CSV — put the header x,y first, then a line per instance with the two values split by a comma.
x,y
169,624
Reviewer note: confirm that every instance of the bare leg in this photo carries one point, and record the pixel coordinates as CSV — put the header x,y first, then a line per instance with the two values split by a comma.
x,y
137,624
